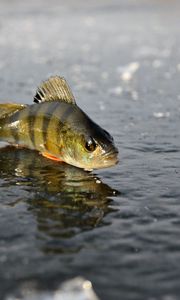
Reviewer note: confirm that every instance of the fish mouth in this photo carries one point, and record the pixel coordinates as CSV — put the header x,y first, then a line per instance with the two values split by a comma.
x,y
111,157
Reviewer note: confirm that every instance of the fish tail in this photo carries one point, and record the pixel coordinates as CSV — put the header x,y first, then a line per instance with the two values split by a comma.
x,y
6,110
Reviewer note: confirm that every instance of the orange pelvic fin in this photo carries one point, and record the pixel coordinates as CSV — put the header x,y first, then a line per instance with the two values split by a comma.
x,y
47,155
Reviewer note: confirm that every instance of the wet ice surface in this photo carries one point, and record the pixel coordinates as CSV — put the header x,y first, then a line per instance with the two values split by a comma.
x,y
74,289
119,227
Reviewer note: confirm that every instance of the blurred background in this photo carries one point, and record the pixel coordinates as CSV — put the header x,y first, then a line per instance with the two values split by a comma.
x,y
119,227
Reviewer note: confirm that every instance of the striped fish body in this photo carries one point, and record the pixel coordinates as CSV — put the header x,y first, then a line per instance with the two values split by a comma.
x,y
58,128
40,126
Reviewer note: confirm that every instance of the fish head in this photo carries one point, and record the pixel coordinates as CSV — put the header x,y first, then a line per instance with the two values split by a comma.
x,y
77,140
90,147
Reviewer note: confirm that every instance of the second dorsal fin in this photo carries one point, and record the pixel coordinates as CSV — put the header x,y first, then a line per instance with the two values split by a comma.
x,y
53,89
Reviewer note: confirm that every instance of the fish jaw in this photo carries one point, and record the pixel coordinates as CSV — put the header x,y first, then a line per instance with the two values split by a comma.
x,y
110,162
102,160
107,161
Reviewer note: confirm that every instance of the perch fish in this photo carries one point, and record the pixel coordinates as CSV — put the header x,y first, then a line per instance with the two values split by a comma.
x,y
56,127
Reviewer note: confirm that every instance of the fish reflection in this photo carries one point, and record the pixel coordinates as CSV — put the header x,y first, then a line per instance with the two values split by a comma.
x,y
65,200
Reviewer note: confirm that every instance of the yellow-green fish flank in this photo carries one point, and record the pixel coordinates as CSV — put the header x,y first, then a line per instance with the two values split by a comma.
x,y
56,127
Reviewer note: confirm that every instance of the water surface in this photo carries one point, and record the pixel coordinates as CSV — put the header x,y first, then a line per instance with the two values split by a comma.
x,y
117,227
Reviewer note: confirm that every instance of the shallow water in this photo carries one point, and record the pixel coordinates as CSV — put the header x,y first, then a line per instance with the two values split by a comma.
x,y
117,227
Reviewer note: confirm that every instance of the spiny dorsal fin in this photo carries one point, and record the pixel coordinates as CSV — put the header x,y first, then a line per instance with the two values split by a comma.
x,y
53,89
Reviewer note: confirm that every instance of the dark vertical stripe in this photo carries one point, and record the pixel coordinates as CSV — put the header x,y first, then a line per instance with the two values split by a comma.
x,y
67,113
52,107
31,118
64,117
59,127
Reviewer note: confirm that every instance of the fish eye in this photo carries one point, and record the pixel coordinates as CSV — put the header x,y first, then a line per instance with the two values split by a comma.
x,y
90,144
